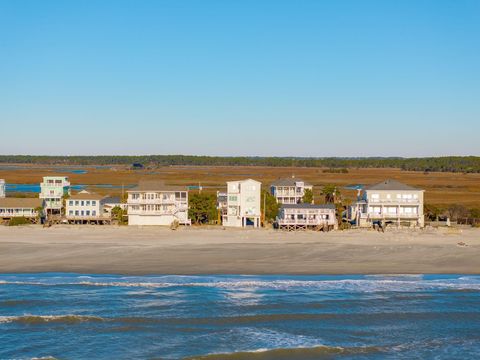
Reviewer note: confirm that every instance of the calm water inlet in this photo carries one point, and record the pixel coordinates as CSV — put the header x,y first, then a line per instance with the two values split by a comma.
x,y
71,316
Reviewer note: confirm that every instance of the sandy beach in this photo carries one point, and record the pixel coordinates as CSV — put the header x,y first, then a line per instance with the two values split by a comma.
x,y
147,250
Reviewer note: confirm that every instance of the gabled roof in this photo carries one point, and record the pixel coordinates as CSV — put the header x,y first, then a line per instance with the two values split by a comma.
x,y
12,202
243,181
391,185
112,200
308,206
155,185
85,195
289,182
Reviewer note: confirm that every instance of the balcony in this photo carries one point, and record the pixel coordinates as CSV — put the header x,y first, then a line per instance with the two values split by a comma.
x,y
394,201
152,201
80,217
153,212
388,216
303,221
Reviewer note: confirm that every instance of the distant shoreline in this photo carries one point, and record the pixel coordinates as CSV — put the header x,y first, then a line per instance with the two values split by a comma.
x,y
193,251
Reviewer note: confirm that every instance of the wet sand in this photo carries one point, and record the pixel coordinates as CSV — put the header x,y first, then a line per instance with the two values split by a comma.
x,y
153,250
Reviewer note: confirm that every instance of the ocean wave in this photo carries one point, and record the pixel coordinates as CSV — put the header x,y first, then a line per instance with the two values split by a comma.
x,y
41,319
304,353
403,283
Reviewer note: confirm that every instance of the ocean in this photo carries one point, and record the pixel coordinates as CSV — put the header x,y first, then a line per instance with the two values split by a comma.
x,y
73,316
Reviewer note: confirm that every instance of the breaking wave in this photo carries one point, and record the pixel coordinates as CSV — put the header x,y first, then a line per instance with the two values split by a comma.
x,y
317,352
390,283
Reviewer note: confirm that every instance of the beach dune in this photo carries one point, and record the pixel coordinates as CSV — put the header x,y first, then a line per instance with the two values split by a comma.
x,y
152,250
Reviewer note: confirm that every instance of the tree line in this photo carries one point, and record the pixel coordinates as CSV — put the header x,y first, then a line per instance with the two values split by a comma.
x,y
464,164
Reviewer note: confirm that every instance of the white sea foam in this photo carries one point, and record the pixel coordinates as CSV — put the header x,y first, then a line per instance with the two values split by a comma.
x,y
250,285
31,319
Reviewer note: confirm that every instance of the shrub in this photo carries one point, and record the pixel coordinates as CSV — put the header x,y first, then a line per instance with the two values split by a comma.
x,y
18,221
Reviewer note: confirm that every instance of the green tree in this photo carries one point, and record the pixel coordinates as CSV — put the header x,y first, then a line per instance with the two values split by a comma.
x,y
307,196
475,213
331,193
202,208
269,206
433,212
120,215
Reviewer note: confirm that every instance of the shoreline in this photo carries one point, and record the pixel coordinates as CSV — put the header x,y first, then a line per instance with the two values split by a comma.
x,y
213,251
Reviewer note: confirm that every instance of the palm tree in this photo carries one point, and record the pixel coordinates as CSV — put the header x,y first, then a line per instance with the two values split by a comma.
x,y
331,193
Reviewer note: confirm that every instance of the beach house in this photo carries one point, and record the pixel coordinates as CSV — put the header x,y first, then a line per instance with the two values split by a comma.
x,y
243,204
154,203
388,202
289,190
28,208
88,208
2,188
222,204
293,217
52,191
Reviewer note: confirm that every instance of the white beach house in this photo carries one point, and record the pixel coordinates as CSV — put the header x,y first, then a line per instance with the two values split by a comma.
x,y
307,216
2,188
154,203
85,207
52,191
243,204
289,190
388,202
20,207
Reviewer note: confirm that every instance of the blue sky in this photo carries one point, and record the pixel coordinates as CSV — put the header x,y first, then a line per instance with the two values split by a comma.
x,y
280,78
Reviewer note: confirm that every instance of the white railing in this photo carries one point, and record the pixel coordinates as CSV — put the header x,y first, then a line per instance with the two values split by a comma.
x,y
152,201
388,216
394,201
152,212
80,217
18,214
303,221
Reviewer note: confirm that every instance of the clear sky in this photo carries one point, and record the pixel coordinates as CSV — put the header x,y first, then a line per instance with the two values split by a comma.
x,y
248,77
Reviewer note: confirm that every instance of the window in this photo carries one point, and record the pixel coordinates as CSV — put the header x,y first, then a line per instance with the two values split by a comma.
x,y
76,212
76,203
94,213
70,203
70,212
88,212
83,203
94,203
88,203
83,213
